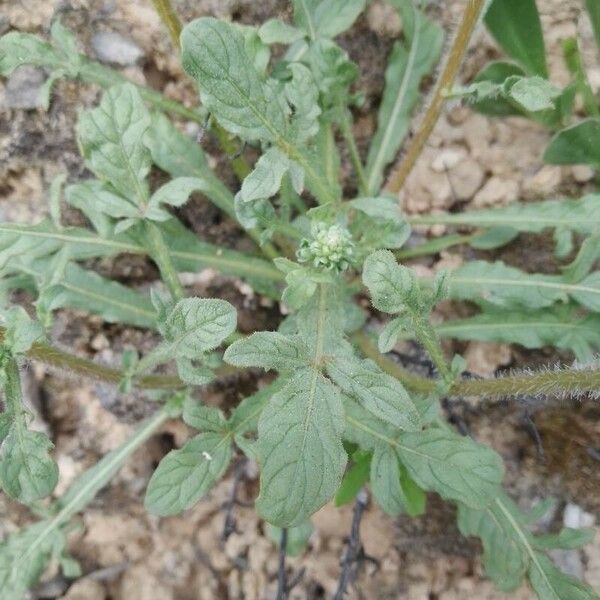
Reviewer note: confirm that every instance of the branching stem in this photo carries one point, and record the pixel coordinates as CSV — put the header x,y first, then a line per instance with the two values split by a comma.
x,y
455,57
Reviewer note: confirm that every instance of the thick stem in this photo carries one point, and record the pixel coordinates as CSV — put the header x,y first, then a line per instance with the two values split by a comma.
x,y
159,252
568,382
455,57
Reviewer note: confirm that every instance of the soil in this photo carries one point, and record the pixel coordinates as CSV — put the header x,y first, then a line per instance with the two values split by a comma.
x,y
470,161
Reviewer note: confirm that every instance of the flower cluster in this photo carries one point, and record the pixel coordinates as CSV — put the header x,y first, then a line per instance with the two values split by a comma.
x,y
331,247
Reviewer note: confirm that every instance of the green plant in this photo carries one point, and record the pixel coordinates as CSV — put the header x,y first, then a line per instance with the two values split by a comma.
x,y
339,413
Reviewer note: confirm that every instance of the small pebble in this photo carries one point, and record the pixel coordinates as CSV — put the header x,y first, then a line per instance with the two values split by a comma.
x,y
23,88
112,47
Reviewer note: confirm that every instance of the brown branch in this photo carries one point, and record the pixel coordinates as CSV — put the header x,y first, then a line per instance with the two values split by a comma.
x,y
455,57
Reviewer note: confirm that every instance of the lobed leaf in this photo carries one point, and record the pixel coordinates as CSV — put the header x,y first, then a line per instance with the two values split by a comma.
x,y
111,137
201,417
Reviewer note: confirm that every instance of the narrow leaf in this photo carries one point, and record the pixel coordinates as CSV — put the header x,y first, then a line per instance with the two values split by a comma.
x,y
408,64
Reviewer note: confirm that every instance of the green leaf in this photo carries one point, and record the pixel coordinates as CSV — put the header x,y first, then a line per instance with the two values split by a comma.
x,y
185,475
505,560
201,417
275,31
326,18
297,537
534,94
302,94
580,216
531,329
18,49
21,332
393,287
379,393
408,64
174,193
508,287
451,465
173,151
567,538
391,229
197,325
582,264
179,155
111,138
27,472
213,52
300,449
551,584
265,180
497,73
89,292
269,350
394,491
575,145
515,24
356,476
18,576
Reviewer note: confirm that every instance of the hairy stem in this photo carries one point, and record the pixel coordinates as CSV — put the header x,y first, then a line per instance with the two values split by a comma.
x,y
159,252
348,134
567,382
428,338
455,57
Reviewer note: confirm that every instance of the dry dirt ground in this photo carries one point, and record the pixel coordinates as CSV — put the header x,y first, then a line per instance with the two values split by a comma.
x,y
470,161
